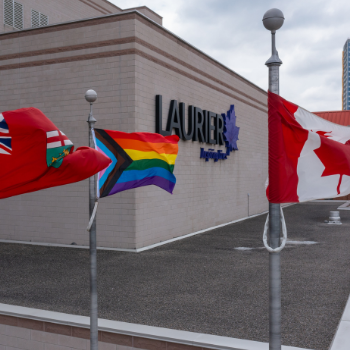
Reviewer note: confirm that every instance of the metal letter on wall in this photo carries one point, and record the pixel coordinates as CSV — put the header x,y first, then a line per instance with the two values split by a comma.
x,y
174,119
198,125
211,128
190,125
219,121
159,116
203,126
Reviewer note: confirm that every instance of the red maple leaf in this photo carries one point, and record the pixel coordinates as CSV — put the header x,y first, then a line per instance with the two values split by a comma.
x,y
335,157
323,133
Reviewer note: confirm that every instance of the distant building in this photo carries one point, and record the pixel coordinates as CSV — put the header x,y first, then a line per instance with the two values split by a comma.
x,y
337,117
346,76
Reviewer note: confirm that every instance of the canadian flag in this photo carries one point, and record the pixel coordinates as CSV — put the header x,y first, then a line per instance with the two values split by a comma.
x,y
309,157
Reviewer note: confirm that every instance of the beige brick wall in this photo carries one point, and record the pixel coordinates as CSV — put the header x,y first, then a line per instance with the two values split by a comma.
x,y
60,215
206,194
128,60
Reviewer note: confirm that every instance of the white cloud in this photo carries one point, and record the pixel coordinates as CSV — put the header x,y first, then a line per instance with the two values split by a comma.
x,y
310,43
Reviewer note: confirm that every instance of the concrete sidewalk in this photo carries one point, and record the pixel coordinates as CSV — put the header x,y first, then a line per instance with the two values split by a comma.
x,y
341,339
117,333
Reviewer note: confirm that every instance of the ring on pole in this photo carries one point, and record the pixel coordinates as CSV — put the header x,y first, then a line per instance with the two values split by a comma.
x,y
284,237
92,217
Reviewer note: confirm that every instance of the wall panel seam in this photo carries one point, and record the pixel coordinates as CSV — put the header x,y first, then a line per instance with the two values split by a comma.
x,y
67,26
123,53
140,18
125,41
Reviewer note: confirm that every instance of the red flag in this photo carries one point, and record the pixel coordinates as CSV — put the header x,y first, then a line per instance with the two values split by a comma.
x,y
309,157
35,154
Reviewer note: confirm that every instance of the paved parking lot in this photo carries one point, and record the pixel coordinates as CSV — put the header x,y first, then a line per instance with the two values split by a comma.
x,y
200,284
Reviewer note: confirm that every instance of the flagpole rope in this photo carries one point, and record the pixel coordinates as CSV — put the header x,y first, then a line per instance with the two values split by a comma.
x,y
284,237
92,216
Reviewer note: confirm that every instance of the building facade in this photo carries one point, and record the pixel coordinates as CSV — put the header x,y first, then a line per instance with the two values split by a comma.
x,y
129,58
346,76
337,117
23,14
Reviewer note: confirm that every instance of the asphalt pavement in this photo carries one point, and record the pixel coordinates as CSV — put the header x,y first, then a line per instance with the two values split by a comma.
x,y
202,283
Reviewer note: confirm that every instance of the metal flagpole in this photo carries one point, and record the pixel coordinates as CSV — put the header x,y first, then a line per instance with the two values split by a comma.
x,y
91,97
273,20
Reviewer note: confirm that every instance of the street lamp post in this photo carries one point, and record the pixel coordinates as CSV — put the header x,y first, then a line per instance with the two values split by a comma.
x,y
273,20
91,97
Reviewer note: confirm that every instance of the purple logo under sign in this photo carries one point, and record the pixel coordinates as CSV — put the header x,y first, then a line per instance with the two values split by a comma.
x,y
230,134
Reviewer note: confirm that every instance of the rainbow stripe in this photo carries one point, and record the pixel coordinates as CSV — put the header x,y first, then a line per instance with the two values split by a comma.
x,y
138,159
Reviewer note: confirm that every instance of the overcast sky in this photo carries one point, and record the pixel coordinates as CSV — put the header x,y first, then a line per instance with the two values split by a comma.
x,y
310,43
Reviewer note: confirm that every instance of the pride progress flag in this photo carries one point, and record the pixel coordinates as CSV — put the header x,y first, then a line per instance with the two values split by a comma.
x,y
138,159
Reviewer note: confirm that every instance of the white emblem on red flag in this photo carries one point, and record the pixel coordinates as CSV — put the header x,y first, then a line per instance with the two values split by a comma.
x,y
57,138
